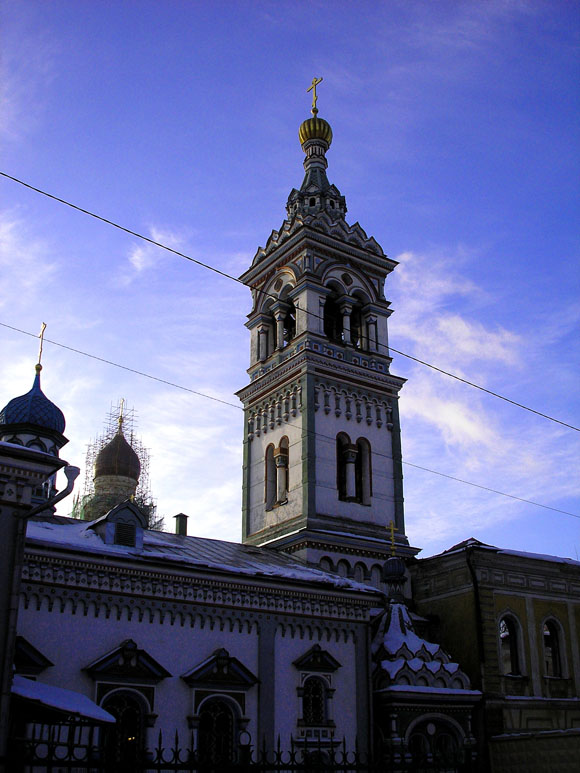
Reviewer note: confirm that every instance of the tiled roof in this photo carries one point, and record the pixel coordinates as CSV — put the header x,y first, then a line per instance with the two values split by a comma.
x,y
34,408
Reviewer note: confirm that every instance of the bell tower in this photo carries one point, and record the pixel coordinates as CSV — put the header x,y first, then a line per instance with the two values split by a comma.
x,y
322,475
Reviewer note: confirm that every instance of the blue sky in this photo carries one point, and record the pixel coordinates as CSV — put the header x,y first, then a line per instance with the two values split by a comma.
x,y
456,145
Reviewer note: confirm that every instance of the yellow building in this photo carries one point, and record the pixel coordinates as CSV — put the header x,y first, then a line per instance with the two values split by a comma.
x,y
511,619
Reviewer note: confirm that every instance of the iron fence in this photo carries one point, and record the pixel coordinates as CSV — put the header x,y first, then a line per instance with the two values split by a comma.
x,y
81,752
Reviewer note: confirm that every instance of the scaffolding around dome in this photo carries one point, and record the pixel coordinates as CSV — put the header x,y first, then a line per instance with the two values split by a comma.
x,y
119,416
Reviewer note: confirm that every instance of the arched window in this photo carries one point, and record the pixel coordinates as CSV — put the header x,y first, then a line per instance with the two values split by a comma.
x,y
364,487
343,568
270,478
333,323
36,445
360,572
282,472
509,647
314,701
342,446
446,750
419,748
124,742
552,656
216,732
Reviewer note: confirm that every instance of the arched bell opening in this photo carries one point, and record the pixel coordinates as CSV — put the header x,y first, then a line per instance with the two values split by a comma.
x,y
358,322
333,319
290,323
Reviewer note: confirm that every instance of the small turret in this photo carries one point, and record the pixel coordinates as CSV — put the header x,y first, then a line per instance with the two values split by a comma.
x,y
316,194
33,409
33,421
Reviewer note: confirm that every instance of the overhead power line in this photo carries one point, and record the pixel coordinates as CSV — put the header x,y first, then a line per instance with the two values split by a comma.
x,y
224,274
122,367
238,407
492,490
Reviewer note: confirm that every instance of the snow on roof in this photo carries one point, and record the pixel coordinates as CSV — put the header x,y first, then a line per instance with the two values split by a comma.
x,y
422,689
406,657
398,633
474,543
216,555
540,557
59,698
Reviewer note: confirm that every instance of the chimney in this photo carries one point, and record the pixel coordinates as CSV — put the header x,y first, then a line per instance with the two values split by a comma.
x,y
181,524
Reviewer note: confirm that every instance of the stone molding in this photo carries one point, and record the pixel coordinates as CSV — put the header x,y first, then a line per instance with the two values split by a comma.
x,y
502,573
274,410
354,404
374,376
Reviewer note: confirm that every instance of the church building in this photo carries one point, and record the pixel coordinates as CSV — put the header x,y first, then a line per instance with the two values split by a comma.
x,y
321,633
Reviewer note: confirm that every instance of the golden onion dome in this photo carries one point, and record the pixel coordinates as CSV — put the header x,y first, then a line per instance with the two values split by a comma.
x,y
315,128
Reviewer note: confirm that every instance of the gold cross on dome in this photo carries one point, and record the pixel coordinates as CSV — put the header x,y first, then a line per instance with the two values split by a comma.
x,y
121,418
41,336
392,528
315,82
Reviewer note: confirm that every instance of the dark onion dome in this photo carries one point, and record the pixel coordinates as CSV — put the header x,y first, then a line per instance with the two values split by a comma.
x,y
34,408
118,458
394,569
315,128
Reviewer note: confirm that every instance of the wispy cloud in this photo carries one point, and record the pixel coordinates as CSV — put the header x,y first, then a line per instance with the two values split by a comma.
x,y
431,287
145,257
455,430
28,68
27,263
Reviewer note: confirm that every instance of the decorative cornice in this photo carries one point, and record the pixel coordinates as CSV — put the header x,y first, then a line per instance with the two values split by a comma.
x,y
78,582
323,223
374,377
360,249
332,547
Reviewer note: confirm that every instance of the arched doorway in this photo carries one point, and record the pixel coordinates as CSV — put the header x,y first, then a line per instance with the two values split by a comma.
x,y
434,744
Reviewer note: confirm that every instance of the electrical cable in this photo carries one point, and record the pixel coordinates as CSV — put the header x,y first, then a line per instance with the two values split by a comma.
x,y
233,405
123,367
224,274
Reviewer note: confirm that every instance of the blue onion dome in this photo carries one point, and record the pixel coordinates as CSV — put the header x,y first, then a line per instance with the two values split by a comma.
x,y
315,128
34,408
118,458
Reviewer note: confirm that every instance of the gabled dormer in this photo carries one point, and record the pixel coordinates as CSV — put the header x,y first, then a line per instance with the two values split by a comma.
x,y
123,526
